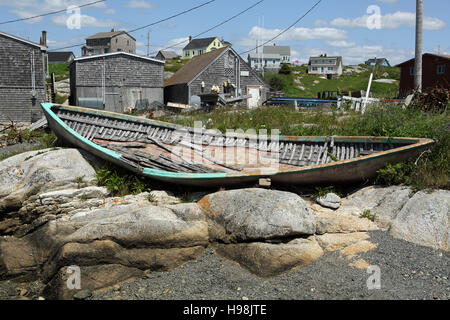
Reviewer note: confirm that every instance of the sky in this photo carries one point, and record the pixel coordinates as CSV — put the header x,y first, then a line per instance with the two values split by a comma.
x,y
354,29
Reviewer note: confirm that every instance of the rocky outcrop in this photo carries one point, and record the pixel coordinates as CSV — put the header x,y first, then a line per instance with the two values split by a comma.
x,y
29,173
385,203
330,200
134,234
268,260
425,220
256,214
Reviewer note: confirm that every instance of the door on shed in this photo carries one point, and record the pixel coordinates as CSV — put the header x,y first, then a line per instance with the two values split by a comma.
x,y
252,102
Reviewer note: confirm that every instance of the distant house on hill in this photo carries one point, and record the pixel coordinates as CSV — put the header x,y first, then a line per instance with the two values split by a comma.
x,y
60,57
435,72
283,51
270,62
108,42
197,47
166,55
23,66
383,62
324,65
223,69
115,81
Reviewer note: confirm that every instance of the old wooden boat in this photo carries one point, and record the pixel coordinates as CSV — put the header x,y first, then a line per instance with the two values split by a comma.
x,y
183,155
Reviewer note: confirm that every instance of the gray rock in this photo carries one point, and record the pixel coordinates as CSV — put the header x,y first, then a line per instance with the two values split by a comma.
x,y
32,172
83,294
425,220
385,203
269,260
254,214
331,200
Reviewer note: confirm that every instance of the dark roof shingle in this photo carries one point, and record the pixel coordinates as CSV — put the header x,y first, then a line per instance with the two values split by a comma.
x,y
199,43
194,67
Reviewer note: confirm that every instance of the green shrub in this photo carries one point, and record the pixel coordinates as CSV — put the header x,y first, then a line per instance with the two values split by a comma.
x,y
276,83
285,69
394,174
369,215
120,182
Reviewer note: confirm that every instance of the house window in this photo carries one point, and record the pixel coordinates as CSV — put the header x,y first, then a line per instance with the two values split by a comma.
x,y
411,71
193,53
128,42
314,68
330,68
116,40
186,54
441,69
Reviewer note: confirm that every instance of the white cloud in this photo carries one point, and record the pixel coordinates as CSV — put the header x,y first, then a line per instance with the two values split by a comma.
x,y
340,43
296,34
390,21
86,21
139,5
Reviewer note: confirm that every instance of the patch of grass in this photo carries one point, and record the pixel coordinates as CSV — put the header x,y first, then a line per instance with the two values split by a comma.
x,y
298,83
120,182
174,65
369,215
151,197
61,71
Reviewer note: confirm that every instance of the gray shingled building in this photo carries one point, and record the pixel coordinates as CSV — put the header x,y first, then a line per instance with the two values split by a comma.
x,y
23,66
115,81
222,68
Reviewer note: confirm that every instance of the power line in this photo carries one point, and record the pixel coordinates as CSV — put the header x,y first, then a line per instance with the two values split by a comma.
x,y
285,30
171,17
149,25
216,26
50,13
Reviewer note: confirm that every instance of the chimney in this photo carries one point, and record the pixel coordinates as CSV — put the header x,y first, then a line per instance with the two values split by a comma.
x,y
44,38
190,38
112,30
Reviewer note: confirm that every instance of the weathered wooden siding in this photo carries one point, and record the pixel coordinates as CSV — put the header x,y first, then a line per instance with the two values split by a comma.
x,y
127,78
224,69
16,100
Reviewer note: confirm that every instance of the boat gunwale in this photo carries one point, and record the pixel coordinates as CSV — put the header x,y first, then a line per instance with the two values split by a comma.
x,y
413,143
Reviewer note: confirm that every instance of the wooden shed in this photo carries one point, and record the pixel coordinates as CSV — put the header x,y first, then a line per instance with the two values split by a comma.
x,y
221,69
23,66
116,81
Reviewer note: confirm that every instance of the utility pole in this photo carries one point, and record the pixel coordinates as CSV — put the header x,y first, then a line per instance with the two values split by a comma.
x,y
148,44
419,41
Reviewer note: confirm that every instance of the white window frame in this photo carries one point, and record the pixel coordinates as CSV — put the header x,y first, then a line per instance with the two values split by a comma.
x,y
441,69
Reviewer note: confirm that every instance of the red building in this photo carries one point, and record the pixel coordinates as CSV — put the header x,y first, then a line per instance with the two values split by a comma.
x,y
435,72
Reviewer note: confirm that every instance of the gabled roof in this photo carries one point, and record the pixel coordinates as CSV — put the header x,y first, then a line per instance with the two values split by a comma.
x,y
116,54
194,67
444,56
275,56
168,54
60,56
191,70
282,50
338,60
199,43
43,48
102,35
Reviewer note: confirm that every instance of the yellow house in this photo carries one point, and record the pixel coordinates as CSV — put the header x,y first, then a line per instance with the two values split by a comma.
x,y
197,47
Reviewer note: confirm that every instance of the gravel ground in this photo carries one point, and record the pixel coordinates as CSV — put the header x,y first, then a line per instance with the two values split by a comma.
x,y
408,271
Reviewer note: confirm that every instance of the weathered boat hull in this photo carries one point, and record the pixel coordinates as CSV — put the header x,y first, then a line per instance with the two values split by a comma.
x,y
345,171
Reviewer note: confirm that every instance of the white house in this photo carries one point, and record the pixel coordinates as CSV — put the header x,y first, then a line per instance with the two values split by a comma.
x,y
270,62
324,65
283,51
